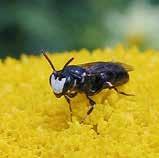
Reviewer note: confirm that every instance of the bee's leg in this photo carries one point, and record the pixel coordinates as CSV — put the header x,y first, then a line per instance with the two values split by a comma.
x,y
123,93
110,86
69,103
120,92
91,107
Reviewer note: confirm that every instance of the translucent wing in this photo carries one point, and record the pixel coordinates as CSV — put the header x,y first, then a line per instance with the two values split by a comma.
x,y
94,67
125,66
88,65
99,67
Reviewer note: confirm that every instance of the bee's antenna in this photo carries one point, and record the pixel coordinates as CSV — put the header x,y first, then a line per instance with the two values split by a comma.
x,y
68,62
47,58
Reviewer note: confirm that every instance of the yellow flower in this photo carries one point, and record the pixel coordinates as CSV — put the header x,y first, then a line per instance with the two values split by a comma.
x,y
34,123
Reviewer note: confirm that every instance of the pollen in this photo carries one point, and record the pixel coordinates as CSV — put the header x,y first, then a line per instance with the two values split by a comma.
x,y
36,124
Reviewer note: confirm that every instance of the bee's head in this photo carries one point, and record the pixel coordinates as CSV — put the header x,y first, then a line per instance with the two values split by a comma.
x,y
58,78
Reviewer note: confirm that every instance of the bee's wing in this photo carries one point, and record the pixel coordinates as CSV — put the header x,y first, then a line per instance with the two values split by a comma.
x,y
95,68
92,64
125,66
88,65
96,64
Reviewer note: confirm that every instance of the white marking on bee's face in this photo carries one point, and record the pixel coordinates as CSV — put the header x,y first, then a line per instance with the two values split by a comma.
x,y
57,85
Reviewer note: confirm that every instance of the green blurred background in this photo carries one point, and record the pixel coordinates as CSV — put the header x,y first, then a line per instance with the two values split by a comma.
x,y
58,25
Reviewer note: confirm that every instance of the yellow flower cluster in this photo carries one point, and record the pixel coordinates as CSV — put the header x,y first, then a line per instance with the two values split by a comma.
x,y
35,124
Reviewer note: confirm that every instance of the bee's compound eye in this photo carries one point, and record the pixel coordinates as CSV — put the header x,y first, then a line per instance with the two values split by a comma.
x,y
55,75
57,84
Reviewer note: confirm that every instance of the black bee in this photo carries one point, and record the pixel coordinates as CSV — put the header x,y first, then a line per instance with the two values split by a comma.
x,y
89,78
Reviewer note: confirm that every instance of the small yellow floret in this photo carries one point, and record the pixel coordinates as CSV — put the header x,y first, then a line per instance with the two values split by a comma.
x,y
35,124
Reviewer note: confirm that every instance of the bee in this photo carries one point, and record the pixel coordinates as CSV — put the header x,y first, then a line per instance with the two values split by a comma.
x,y
89,78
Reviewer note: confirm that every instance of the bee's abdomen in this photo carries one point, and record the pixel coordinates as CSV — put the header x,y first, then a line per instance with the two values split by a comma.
x,y
116,74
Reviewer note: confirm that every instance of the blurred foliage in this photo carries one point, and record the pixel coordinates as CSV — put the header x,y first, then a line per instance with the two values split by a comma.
x,y
58,25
